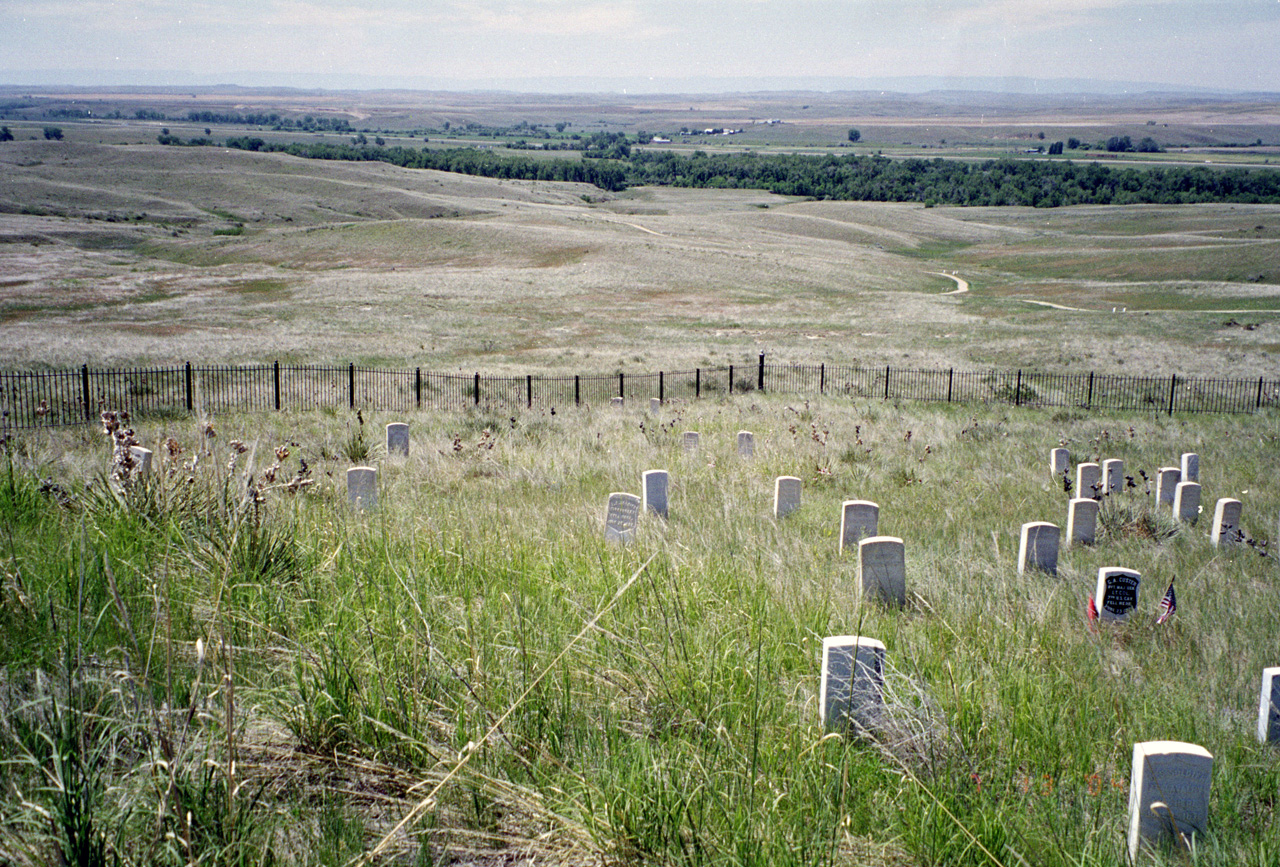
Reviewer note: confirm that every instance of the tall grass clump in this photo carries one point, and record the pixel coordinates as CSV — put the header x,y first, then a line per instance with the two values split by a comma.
x,y
258,673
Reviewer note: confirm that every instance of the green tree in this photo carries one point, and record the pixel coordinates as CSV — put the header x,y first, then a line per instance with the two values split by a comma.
x,y
1149,146
5,135
53,133
854,135
1119,144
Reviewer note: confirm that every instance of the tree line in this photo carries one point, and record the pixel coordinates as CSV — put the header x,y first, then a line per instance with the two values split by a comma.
x,y
844,177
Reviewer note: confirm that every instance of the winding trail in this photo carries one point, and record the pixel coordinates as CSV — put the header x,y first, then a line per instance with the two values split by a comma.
x,y
962,286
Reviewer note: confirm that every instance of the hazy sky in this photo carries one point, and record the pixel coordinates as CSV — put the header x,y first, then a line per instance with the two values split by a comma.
x,y
1231,44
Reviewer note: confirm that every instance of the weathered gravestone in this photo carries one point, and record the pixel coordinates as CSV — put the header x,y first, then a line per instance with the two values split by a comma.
x,y
621,519
1082,521
141,460
1190,467
690,440
1089,480
1167,484
362,487
398,439
1059,460
786,496
882,569
1226,523
655,406
616,402
852,690
1117,594
1186,502
1038,547
1113,476
746,444
1269,706
1168,794
655,491
859,519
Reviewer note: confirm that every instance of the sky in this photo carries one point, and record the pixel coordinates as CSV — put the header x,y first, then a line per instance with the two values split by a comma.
x,y
611,44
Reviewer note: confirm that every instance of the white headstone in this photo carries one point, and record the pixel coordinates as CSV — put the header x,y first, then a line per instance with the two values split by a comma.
x,y
398,439
1113,476
746,444
859,519
1089,480
655,406
690,440
1168,793
1117,594
1166,485
1190,467
852,680
786,496
1082,521
1186,502
882,569
622,517
141,460
362,487
616,402
655,491
1269,706
1226,523
1059,460
1038,547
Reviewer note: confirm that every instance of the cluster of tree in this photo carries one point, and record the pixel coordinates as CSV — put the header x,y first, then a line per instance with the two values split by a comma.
x,y
994,182
607,175
1124,144
306,123
166,139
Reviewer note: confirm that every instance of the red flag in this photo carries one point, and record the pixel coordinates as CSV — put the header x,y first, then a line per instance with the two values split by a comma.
x,y
1091,610
1168,604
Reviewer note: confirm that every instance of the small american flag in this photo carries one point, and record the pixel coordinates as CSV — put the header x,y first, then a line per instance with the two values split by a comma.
x,y
1168,604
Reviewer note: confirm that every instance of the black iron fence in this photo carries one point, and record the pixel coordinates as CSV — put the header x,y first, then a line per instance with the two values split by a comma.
x,y
56,398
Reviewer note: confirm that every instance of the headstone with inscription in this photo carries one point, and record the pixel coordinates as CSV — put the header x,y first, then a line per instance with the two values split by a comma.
x,y
1113,476
141,460
1038,547
882,569
621,519
746,444
1186,502
1089,480
655,406
1190,467
859,519
1167,484
786,496
1269,706
1168,794
362,487
1059,460
1082,521
690,440
852,691
655,491
1117,593
398,439
1226,523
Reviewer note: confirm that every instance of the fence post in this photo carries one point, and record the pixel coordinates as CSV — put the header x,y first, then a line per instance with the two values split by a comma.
x,y
84,392
697,382
1089,400
477,388
661,388
187,382
1173,383
731,379
351,385
1017,390
1257,404
760,378
528,384
417,386
886,382
822,378
622,386
275,370
577,391
951,375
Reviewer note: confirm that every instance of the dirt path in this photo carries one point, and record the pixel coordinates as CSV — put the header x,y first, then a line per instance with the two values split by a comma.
x,y
962,286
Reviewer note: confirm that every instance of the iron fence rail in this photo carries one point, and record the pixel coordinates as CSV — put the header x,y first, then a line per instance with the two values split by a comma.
x,y
68,397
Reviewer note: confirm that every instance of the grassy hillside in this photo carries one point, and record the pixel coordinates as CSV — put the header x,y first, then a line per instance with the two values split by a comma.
x,y
224,663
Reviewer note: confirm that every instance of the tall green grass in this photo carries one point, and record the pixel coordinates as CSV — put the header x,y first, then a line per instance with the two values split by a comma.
x,y
472,657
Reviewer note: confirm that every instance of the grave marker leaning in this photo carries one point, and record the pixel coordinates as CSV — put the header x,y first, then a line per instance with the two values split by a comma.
x,y
621,519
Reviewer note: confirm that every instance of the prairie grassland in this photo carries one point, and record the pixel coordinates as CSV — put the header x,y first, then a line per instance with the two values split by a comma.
x,y
118,255
470,674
